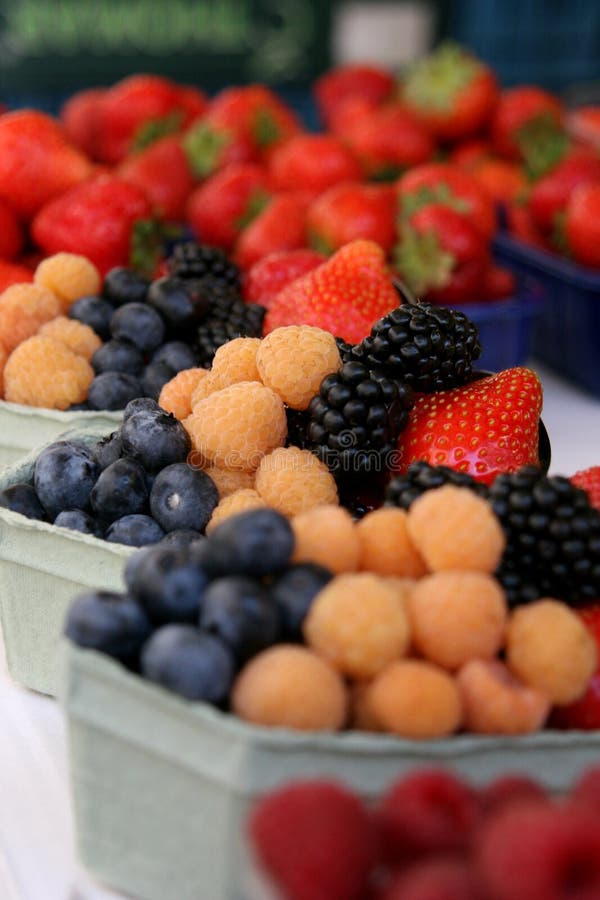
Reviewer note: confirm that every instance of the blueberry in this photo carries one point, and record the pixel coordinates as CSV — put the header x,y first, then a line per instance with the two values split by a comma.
x,y
117,356
22,498
195,665
112,623
182,538
120,491
95,312
294,591
154,377
258,542
183,497
123,285
240,612
168,584
64,475
155,440
177,355
78,520
139,324
134,531
113,390
178,300
108,449
141,404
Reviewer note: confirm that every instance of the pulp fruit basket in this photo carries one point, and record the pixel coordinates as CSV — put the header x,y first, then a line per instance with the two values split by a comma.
x,y
42,568
161,787
567,333
23,428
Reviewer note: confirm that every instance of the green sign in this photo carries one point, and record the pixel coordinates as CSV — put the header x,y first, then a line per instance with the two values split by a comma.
x,y
59,45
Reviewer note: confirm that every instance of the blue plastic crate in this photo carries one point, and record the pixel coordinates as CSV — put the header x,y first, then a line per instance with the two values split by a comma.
x,y
567,333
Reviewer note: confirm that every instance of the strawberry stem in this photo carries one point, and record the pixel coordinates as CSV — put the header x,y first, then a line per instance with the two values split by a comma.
x,y
422,262
153,129
434,83
203,146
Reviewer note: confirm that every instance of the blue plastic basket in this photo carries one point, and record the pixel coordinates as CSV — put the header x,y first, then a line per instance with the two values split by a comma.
x,y
567,333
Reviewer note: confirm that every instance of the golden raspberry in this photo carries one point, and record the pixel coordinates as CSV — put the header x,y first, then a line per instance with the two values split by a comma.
x,y
291,687
235,361
43,372
24,308
385,545
3,359
361,716
234,428
293,480
69,276
327,535
228,481
176,394
79,338
357,622
204,388
453,528
496,702
294,360
240,501
549,648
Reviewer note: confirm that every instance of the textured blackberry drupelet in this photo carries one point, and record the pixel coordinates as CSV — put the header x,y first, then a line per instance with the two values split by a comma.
x,y
403,490
191,260
227,319
297,427
553,538
429,347
355,419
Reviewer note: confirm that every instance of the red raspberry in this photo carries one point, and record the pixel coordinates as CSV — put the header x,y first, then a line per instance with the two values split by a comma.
x,y
510,789
589,481
440,878
316,840
586,791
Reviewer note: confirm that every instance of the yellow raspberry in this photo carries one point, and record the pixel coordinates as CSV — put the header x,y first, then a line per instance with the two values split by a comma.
x,y
232,504
234,428
3,359
228,481
385,545
358,623
453,528
44,372
294,360
79,338
496,702
327,535
293,480
235,361
204,388
24,308
176,395
69,276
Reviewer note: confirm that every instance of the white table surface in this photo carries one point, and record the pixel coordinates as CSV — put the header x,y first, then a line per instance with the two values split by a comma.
x,y
37,860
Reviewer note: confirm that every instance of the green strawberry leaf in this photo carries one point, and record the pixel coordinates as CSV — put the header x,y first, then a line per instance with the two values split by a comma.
x,y
319,243
559,238
265,129
428,194
543,144
422,262
433,83
203,146
147,243
153,129
256,203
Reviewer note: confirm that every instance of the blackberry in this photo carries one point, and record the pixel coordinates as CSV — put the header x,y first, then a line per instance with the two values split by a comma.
x,y
191,260
355,419
429,347
553,538
227,319
297,426
420,477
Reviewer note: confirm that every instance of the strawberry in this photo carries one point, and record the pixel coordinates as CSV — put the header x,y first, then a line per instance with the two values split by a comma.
x,y
497,284
281,225
503,181
348,113
346,295
267,277
13,273
589,481
521,225
583,124
99,219
483,428
313,162
192,102
518,108
334,88
582,224
549,195
11,233
470,153
451,91
80,118
349,211
36,162
388,140
227,202
584,714
162,172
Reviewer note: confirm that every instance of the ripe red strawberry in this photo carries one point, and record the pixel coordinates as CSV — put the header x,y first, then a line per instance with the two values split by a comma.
x,y
193,102
97,219
80,118
589,481
36,162
281,225
583,124
497,283
313,162
227,202
521,225
584,714
519,107
346,295
335,87
503,181
349,211
388,140
550,195
468,154
267,277
162,172
348,113
11,233
440,877
451,91
483,428
316,841
582,224
13,273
